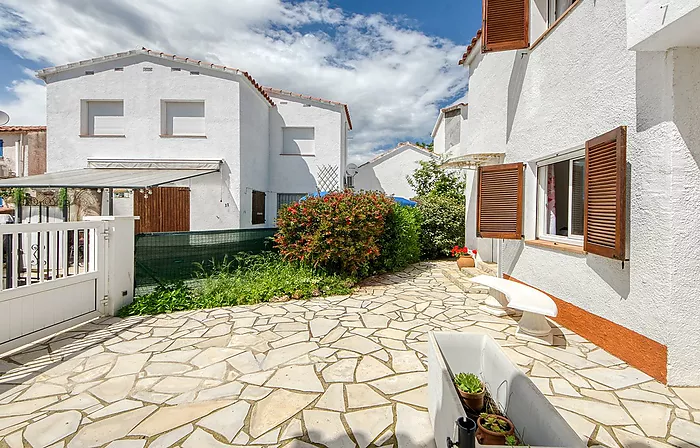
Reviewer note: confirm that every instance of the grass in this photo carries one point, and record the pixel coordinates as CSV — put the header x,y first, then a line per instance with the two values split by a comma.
x,y
243,280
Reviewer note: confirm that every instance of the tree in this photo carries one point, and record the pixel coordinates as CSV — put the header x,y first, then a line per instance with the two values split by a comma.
x,y
430,179
427,146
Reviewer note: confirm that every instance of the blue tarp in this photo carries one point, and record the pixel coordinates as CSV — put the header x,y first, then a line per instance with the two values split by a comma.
x,y
398,199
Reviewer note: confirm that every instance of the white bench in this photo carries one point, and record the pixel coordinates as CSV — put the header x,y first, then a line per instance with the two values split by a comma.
x,y
534,304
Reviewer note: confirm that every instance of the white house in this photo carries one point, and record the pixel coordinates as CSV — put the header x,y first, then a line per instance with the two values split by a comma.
x,y
185,144
387,172
450,129
584,168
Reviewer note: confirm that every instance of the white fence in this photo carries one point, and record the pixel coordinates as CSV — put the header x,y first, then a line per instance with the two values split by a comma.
x,y
52,278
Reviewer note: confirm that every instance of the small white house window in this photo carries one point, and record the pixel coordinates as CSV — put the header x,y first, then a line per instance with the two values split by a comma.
x,y
560,198
286,199
298,141
102,118
182,119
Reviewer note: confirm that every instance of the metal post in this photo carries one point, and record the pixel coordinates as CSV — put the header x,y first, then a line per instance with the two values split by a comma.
x,y
466,430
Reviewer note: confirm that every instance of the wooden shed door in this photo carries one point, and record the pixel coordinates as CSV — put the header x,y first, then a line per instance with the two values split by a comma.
x,y
166,209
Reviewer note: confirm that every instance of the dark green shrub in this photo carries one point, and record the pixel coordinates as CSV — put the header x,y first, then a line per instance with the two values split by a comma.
x,y
432,180
339,232
400,243
164,299
442,224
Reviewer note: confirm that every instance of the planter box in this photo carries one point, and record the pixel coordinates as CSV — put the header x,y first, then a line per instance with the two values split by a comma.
x,y
536,421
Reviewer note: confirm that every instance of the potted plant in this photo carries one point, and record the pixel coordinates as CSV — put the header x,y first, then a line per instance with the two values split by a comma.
x,y
493,429
464,257
471,389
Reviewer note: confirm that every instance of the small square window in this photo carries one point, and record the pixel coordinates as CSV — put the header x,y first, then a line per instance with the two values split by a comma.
x,y
102,118
183,118
298,141
286,199
560,202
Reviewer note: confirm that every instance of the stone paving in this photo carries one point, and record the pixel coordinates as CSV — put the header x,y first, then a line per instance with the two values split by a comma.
x,y
338,372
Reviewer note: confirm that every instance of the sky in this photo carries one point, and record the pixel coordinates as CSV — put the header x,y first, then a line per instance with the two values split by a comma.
x,y
393,62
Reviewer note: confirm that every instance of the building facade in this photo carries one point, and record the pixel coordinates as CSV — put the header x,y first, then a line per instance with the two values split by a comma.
x,y
162,109
585,110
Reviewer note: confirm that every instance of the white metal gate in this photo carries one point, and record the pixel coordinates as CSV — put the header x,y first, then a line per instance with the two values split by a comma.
x,y
52,278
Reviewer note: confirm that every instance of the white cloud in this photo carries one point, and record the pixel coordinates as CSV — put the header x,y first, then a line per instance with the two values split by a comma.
x,y
27,104
393,77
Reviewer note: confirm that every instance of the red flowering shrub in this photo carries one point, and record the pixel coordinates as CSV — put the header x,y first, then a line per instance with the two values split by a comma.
x,y
339,232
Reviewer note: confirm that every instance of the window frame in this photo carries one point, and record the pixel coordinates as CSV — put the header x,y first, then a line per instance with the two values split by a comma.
x,y
164,118
85,118
541,205
281,205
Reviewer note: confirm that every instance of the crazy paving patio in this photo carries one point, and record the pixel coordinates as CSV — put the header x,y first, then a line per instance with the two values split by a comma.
x,y
337,372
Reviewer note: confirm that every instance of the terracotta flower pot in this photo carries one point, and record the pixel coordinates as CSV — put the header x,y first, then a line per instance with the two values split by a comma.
x,y
465,262
487,437
475,402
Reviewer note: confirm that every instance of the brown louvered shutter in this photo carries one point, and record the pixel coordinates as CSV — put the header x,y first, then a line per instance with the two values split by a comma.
x,y
604,218
506,25
166,209
499,213
258,207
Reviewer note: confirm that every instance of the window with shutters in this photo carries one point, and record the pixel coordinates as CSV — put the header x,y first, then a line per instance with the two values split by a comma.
x,y
560,198
102,118
285,199
258,213
506,25
605,190
182,119
499,212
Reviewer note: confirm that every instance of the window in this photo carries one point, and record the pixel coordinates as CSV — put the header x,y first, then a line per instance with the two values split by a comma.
x,y
557,8
298,141
285,199
103,118
2,148
499,212
182,118
453,124
505,25
258,216
560,203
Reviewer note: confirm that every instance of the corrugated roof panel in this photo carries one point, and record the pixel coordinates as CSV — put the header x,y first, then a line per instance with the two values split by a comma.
x,y
103,178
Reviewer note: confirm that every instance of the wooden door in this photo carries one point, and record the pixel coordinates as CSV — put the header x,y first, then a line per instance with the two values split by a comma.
x,y
166,209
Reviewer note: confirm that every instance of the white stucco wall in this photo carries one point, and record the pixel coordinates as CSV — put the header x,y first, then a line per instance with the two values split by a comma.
x,y
388,174
580,82
439,139
299,173
658,25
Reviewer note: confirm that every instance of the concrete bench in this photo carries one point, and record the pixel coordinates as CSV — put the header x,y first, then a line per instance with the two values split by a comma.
x,y
534,304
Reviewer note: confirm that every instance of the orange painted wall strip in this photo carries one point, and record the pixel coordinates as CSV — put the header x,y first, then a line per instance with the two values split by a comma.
x,y
636,350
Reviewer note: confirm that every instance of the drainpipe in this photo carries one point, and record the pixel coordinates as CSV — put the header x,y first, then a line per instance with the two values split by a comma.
x,y
18,145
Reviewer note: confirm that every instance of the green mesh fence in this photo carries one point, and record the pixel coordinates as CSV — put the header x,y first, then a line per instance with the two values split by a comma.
x,y
167,257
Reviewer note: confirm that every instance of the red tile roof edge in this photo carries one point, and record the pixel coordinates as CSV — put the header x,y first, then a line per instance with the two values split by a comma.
x,y
453,107
470,47
22,128
312,98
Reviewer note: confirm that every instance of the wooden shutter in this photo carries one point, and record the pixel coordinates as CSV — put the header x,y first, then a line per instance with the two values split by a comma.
x,y
258,207
166,209
506,25
499,212
605,186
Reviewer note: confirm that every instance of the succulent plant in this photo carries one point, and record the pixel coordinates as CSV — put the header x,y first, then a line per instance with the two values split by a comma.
x,y
469,383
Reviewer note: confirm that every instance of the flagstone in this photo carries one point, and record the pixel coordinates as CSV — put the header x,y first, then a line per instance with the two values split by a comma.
x,y
643,395
128,364
322,326
115,408
171,438
39,390
241,439
258,378
300,377
357,344
334,335
126,444
175,356
325,427
416,397
276,408
366,425
227,421
563,387
135,346
166,368
652,418
292,430
253,392
565,357
332,399
212,355
227,390
413,427
400,383
151,397
202,439
215,371
268,438
176,385
168,418
405,361
363,396
112,428
374,321
685,430
341,371
604,413
631,440
278,356
607,397
582,426
114,389
690,395
615,378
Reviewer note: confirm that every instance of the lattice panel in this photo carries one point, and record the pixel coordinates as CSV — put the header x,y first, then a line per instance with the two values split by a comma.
x,y
328,177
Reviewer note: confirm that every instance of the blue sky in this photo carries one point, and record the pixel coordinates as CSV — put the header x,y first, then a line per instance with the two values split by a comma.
x,y
393,62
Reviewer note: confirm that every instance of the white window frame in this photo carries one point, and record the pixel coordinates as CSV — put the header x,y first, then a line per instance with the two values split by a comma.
x,y
164,132
576,154
552,11
85,122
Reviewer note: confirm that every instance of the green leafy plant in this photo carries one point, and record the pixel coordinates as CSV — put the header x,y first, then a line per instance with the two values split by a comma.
x,y
442,225
469,383
399,245
339,232
493,423
430,179
511,440
62,197
164,299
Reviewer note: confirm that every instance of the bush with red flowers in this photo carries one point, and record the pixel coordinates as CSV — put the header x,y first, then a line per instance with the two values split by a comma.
x,y
340,232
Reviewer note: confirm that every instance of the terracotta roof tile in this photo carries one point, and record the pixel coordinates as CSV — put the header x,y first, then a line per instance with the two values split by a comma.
x,y
471,47
312,98
22,128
